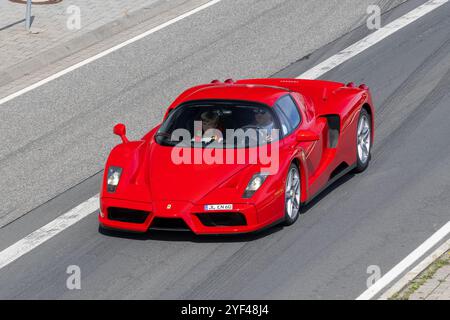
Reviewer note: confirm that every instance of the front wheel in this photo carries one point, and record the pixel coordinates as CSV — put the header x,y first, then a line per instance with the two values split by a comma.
x,y
363,141
292,195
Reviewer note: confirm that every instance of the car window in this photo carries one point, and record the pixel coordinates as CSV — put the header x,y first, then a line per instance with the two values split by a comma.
x,y
285,125
228,124
288,113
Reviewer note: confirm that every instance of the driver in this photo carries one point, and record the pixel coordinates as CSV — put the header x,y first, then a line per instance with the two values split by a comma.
x,y
263,120
263,123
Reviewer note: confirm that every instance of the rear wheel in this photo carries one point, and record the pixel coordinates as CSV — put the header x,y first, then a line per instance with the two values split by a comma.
x,y
292,195
363,141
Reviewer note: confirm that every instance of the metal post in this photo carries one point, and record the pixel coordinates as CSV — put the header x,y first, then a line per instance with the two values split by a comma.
x,y
28,16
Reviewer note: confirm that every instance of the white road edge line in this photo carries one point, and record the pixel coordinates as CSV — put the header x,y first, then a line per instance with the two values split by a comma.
x,y
405,263
411,275
45,233
48,231
108,51
371,39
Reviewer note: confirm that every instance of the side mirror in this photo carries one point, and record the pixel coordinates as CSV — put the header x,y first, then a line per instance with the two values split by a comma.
x,y
121,131
307,136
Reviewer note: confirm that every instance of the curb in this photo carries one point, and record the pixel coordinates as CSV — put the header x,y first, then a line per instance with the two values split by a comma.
x,y
412,274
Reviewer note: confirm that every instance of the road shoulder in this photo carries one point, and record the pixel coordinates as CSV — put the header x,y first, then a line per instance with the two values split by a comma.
x,y
429,280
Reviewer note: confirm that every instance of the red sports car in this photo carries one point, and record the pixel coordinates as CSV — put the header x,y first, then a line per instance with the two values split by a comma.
x,y
237,156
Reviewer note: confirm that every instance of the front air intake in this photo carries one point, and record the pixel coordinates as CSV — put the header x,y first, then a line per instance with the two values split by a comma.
x,y
127,215
222,219
169,224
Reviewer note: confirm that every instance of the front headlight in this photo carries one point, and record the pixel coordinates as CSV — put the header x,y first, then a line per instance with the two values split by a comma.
x,y
254,184
113,178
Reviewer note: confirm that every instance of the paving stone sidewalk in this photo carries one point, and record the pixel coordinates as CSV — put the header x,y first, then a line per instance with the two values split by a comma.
x,y
55,35
432,284
437,287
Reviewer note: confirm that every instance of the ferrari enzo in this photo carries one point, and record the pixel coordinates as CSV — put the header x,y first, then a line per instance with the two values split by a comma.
x,y
237,156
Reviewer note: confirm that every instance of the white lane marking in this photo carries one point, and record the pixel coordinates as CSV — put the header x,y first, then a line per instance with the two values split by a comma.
x,y
85,208
48,231
371,40
108,51
405,263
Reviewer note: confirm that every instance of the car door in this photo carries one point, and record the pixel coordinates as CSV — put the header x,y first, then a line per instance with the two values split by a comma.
x,y
293,116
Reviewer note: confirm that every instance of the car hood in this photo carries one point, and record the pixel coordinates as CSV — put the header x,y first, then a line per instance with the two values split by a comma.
x,y
184,182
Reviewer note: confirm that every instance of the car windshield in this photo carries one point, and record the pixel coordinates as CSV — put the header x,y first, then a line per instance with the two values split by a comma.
x,y
219,125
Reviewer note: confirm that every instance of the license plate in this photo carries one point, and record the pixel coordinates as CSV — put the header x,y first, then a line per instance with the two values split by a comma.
x,y
217,207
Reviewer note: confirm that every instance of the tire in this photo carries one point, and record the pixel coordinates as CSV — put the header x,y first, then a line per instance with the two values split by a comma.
x,y
292,195
363,141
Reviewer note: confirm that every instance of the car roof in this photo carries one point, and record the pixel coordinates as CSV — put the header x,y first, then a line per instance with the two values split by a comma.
x,y
242,92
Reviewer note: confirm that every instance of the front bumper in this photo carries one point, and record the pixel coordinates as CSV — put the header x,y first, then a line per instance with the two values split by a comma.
x,y
186,211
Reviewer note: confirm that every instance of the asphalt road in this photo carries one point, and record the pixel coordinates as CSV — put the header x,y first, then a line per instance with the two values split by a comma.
x,y
60,134
375,218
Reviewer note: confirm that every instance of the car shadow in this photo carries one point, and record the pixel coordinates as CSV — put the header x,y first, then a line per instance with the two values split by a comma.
x,y
189,236
326,192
